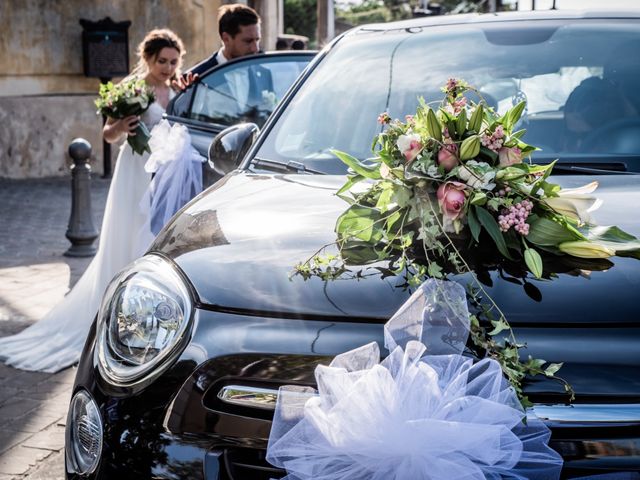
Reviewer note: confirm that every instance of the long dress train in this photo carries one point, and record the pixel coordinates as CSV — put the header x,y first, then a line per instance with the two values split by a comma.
x,y
56,341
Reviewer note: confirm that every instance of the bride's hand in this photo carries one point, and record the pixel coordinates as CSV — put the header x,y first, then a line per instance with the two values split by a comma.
x,y
114,129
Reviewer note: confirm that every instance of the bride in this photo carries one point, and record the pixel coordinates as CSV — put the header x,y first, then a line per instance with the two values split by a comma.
x,y
56,341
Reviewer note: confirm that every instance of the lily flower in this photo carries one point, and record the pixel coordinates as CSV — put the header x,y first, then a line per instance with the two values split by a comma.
x,y
576,203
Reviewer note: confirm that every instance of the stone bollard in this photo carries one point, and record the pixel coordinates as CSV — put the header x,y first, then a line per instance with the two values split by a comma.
x,y
81,231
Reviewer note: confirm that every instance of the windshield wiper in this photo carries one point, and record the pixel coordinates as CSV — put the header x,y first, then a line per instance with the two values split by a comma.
x,y
279,166
578,169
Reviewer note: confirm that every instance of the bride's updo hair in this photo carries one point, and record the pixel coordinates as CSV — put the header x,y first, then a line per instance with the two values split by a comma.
x,y
150,47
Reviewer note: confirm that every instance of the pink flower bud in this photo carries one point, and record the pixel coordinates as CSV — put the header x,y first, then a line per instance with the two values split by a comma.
x,y
509,156
448,156
384,118
451,199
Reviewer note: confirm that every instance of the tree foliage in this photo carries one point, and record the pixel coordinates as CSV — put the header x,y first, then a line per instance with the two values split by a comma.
x,y
371,11
301,18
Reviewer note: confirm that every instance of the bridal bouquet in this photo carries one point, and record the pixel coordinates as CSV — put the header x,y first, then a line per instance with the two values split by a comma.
x,y
457,176
132,97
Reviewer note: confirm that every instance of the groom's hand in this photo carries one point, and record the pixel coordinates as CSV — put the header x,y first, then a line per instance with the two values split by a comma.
x,y
184,81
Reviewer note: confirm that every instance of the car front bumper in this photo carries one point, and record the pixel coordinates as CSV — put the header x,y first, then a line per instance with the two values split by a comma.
x,y
208,415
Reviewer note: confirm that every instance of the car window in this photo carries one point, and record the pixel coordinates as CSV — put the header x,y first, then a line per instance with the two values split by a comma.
x,y
246,91
579,79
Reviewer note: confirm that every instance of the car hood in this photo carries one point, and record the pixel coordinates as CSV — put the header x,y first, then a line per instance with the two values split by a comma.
x,y
240,242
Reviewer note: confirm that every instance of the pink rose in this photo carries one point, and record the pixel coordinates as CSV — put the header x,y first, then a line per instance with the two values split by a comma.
x,y
448,156
409,145
509,156
451,199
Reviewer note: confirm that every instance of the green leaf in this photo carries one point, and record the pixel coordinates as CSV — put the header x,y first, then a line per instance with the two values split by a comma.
x,y
546,232
401,196
515,113
510,173
359,253
384,200
498,326
518,135
434,270
552,369
475,123
491,226
433,125
624,244
609,234
489,153
478,198
351,181
474,225
359,222
392,219
534,262
354,164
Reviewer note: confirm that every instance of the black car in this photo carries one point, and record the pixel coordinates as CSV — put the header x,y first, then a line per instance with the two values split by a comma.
x,y
180,372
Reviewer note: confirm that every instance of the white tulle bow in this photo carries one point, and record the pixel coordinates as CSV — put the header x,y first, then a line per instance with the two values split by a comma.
x,y
424,412
177,169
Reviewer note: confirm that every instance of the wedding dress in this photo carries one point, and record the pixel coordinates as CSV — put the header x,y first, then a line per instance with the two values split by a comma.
x,y
56,341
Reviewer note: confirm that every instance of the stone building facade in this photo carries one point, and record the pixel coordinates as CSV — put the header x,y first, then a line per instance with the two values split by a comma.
x,y
46,101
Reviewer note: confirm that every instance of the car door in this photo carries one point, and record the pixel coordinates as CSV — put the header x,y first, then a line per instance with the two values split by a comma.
x,y
242,90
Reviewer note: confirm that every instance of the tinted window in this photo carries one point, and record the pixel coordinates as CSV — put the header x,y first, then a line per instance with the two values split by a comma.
x,y
579,80
247,91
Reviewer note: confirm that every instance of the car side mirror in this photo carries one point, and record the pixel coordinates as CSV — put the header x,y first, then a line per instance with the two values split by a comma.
x,y
229,147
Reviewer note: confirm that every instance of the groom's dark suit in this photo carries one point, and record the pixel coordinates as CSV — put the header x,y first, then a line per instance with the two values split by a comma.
x,y
260,78
205,65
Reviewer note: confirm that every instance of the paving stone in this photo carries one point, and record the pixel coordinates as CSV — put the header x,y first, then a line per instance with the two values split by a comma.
x,y
49,390
17,407
18,460
57,410
67,376
52,438
25,380
51,468
6,372
7,393
32,423
11,438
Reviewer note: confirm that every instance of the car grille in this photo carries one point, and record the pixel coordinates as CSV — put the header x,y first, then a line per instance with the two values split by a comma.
x,y
244,463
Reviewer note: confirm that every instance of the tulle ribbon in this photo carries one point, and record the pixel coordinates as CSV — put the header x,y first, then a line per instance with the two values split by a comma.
x,y
424,412
177,169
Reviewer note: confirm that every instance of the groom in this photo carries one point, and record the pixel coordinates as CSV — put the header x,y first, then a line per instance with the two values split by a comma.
x,y
239,29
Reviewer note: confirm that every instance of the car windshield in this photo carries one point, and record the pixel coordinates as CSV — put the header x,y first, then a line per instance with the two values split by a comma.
x,y
579,79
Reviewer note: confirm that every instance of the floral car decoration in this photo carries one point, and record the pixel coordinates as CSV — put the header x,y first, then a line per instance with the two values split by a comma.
x,y
449,179
130,97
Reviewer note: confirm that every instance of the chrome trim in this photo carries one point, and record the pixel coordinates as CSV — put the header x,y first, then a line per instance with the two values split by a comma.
x,y
253,397
266,398
589,413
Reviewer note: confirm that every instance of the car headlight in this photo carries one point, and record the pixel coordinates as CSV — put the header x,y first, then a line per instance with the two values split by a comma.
x,y
143,321
83,434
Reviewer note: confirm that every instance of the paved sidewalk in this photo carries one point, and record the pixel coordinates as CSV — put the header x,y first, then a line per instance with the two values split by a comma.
x,y
34,276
